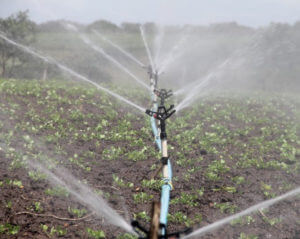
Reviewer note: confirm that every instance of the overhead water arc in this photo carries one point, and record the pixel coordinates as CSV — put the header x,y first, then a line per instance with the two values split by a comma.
x,y
84,195
147,48
259,206
130,56
100,50
70,71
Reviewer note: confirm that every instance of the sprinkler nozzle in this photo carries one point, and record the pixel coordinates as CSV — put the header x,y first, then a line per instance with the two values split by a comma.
x,y
137,227
163,94
162,113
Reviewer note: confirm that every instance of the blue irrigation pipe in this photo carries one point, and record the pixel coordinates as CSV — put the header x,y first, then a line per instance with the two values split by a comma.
x,y
167,186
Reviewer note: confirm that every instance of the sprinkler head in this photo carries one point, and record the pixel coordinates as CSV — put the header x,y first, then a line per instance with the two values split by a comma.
x,y
162,113
163,94
153,74
174,235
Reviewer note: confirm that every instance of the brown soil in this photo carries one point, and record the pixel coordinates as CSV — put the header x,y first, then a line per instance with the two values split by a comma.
x,y
100,177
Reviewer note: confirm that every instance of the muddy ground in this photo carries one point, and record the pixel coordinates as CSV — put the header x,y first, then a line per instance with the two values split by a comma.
x,y
18,203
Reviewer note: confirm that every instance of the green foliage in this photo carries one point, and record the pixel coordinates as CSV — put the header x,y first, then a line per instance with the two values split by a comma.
x,y
126,236
21,29
111,153
267,190
77,212
216,169
53,231
97,234
14,182
142,215
36,176
57,191
120,182
238,180
245,236
142,197
186,199
152,184
9,229
38,207
8,204
180,217
137,155
226,207
247,220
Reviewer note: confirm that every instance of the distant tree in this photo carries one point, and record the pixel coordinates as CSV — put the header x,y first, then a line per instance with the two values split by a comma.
x,y
103,26
51,27
130,27
19,28
150,27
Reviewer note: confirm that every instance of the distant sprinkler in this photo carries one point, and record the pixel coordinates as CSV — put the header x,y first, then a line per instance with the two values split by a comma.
x,y
163,94
153,75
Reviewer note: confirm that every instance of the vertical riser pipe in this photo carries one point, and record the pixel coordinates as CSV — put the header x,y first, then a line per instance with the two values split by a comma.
x,y
167,169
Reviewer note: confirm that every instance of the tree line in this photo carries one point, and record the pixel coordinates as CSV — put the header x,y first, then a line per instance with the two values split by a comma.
x,y
271,65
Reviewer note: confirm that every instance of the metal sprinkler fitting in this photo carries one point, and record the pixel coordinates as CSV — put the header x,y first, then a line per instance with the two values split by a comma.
x,y
162,115
163,94
153,74
145,234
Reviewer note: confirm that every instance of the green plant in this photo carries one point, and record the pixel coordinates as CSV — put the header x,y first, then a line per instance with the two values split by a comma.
x,y
180,217
186,199
35,175
247,220
9,204
59,231
226,207
14,182
97,234
267,190
141,197
9,229
238,180
77,212
142,215
215,169
111,153
245,236
127,236
38,207
152,184
120,182
57,191
137,155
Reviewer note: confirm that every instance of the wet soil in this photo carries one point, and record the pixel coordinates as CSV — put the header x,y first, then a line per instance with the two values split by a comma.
x,y
17,204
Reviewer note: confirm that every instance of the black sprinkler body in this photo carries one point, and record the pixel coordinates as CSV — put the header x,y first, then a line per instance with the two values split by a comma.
x,y
163,94
138,228
162,114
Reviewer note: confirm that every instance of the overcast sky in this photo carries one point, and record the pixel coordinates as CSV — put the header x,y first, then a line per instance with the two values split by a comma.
x,y
247,12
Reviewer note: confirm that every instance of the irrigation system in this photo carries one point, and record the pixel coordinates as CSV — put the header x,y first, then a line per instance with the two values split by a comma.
x,y
159,114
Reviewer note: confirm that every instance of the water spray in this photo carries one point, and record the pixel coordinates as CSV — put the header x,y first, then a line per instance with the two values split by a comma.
x,y
147,47
69,71
130,56
83,194
213,226
100,50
